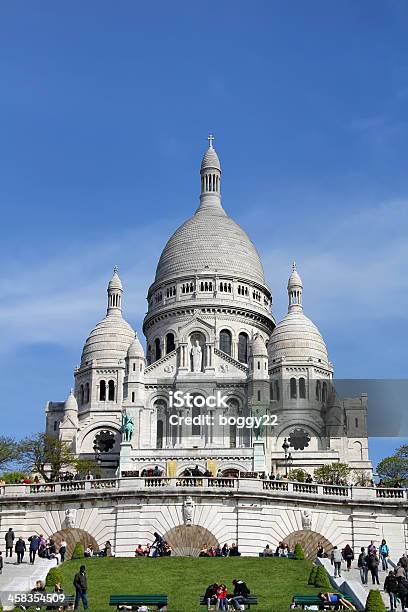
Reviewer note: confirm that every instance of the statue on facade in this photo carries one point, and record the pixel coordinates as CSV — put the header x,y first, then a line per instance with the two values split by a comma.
x,y
306,520
197,356
70,518
127,426
259,429
188,509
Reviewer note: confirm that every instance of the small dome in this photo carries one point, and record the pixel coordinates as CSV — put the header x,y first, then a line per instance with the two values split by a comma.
x,y
136,349
259,347
115,282
297,337
109,340
70,402
294,278
210,159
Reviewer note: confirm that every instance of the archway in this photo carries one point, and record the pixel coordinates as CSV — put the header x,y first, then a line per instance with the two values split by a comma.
x,y
188,540
72,535
309,541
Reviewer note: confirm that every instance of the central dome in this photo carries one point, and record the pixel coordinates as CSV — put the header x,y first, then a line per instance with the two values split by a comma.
x,y
210,239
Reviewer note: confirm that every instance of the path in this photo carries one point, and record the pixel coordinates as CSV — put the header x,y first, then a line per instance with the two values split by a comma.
x,y
23,577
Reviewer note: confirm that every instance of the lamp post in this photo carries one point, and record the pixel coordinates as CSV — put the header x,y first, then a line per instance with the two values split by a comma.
x,y
286,447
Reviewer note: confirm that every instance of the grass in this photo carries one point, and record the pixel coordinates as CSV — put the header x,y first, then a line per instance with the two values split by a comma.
x,y
273,580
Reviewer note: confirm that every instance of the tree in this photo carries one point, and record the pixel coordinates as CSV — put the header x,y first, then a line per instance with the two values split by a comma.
x,y
321,579
78,551
54,577
374,602
335,473
8,451
13,477
393,468
402,451
297,474
46,455
86,466
298,553
312,575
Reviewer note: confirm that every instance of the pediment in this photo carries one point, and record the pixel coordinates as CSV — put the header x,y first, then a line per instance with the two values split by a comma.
x,y
195,323
164,367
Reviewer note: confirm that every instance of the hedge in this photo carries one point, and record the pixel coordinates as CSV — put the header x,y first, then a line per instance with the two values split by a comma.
x,y
78,551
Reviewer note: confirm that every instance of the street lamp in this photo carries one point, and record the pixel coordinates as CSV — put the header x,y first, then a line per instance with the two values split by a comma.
x,y
286,447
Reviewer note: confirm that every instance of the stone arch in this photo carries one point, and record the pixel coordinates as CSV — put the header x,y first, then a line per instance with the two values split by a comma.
x,y
309,541
72,535
188,540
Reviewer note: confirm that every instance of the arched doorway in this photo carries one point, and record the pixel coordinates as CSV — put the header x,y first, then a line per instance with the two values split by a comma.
x,y
309,541
188,540
72,535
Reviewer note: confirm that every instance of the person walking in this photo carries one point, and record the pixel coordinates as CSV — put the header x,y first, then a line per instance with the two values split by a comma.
x,y
1,562
81,587
34,544
391,587
373,563
384,553
362,565
62,550
348,555
20,549
9,537
336,558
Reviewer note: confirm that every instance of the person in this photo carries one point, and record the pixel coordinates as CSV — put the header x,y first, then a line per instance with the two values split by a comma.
x,y
52,551
402,591
371,548
108,549
34,545
157,545
335,598
384,552
225,550
88,551
320,551
222,602
139,551
362,565
373,563
348,555
218,551
62,550
241,592
336,558
267,551
9,537
210,595
20,549
391,587
234,552
204,551
1,562
81,587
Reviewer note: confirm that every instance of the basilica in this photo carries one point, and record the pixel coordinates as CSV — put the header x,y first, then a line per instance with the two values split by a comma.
x,y
211,337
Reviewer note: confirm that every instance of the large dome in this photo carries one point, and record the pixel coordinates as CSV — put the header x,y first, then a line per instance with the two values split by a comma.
x,y
297,337
210,240
109,340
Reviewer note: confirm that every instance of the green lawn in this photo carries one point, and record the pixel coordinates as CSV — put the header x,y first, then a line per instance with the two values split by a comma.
x,y
273,580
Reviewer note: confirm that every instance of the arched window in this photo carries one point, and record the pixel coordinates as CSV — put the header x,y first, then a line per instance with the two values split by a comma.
x,y
170,345
233,436
111,391
259,396
82,395
159,435
133,397
277,391
293,388
243,348
102,391
87,392
302,388
318,390
271,391
157,349
195,427
225,341
324,392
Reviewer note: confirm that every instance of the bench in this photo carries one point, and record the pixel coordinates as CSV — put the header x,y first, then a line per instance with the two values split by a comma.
x,y
249,601
314,600
160,601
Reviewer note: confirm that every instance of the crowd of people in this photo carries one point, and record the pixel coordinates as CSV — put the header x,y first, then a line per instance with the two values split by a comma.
x,y
219,596
282,550
36,545
158,548
218,551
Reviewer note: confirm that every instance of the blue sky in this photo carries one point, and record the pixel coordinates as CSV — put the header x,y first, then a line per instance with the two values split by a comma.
x,y
104,112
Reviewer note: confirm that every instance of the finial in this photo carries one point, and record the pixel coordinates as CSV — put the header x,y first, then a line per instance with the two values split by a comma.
x,y
115,269
210,140
294,266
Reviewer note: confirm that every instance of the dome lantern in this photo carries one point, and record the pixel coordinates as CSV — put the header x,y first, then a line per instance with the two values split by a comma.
x,y
210,179
295,290
115,291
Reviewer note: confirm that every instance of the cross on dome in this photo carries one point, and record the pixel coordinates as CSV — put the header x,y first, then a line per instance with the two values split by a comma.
x,y
210,139
294,266
115,269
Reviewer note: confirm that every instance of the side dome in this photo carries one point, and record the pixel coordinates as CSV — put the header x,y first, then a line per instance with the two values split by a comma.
x,y
210,241
135,349
109,341
259,347
296,336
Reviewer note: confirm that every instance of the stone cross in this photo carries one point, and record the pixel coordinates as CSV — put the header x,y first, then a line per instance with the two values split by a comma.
x,y
210,139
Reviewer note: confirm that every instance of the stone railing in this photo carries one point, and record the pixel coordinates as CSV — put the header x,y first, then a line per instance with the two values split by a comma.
x,y
280,488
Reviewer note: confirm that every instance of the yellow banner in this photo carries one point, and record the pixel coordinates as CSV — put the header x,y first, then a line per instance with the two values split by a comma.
x,y
171,468
212,466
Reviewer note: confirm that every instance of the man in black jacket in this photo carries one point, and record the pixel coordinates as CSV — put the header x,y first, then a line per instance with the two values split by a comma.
x,y
9,537
20,549
241,593
362,565
81,587
391,587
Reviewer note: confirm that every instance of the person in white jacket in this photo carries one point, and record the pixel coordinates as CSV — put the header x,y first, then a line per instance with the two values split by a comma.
x,y
336,558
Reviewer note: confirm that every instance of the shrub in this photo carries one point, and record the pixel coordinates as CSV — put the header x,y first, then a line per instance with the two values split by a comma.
x,y
78,551
374,602
53,576
312,576
298,553
13,477
322,580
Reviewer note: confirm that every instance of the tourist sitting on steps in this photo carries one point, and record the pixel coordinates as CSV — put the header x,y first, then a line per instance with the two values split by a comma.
x,y
338,600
